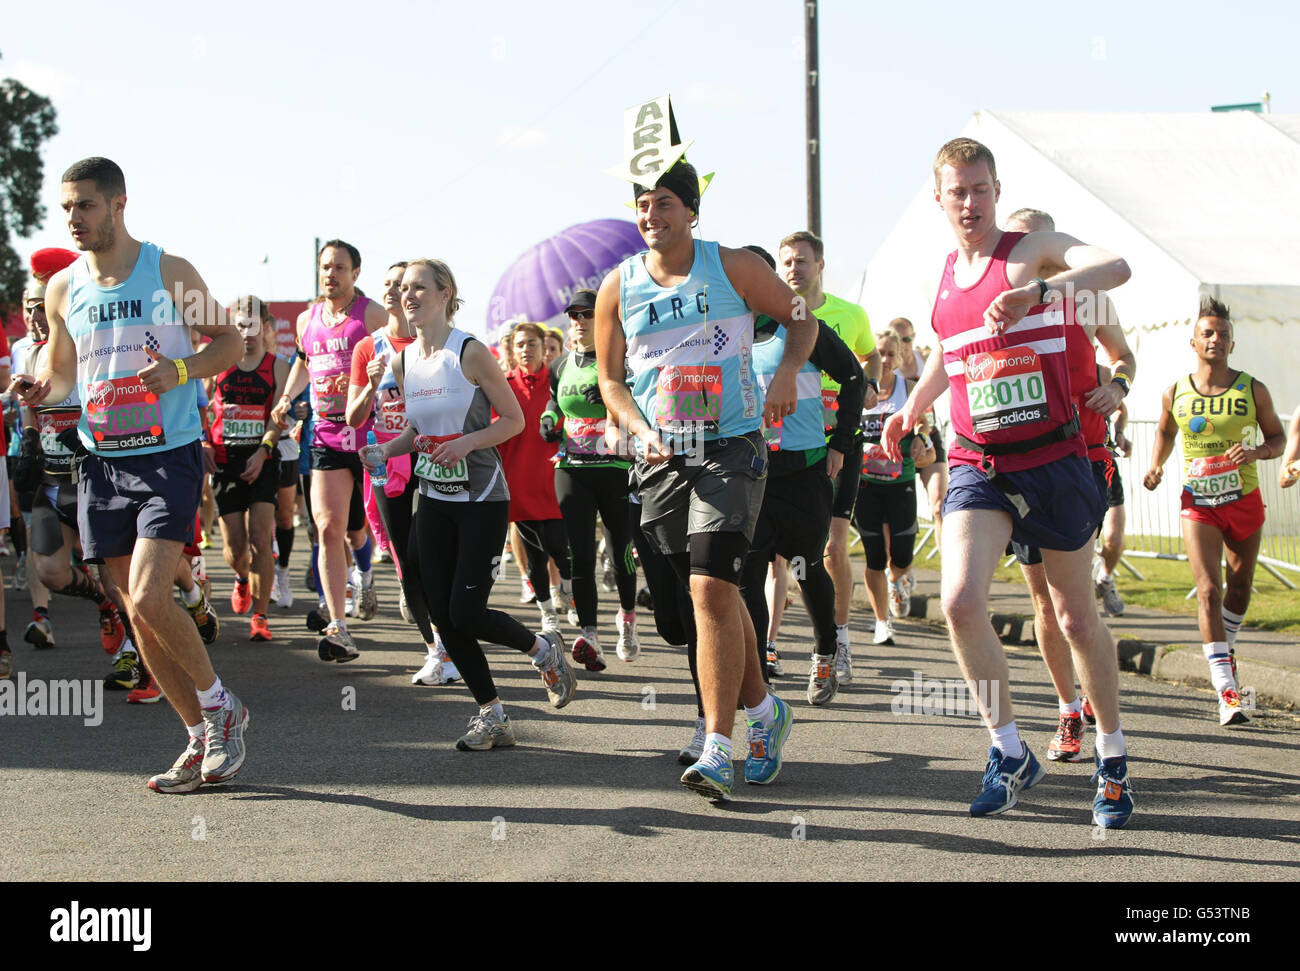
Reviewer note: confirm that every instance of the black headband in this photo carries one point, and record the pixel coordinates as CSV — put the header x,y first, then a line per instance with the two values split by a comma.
x,y
681,182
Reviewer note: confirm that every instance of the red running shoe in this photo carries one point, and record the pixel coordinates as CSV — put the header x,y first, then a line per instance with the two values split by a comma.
x,y
146,692
1088,715
258,630
241,598
1066,744
111,631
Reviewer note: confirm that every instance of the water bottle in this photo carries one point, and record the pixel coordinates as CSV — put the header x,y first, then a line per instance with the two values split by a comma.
x,y
378,478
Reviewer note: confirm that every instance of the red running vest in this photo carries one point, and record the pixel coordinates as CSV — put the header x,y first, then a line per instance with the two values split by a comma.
x,y
241,403
1008,387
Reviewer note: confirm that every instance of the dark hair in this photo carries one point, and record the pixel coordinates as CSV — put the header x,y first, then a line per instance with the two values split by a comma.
x,y
1210,307
681,180
402,263
253,306
803,236
353,252
767,257
105,173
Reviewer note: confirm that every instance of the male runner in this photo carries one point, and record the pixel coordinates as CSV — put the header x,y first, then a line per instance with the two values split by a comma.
x,y
1094,400
118,336
801,263
1222,414
245,464
328,332
1018,464
682,317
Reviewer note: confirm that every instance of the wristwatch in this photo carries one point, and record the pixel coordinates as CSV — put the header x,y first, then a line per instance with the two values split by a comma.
x,y
1123,382
1043,288
875,385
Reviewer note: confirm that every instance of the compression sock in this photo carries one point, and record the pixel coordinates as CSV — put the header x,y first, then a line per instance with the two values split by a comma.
x,y
362,555
284,539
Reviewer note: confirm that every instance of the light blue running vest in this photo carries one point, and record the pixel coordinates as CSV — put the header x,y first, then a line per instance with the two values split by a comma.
x,y
804,430
111,326
689,350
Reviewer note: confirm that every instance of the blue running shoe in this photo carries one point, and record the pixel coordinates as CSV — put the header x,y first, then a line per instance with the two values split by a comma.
x,y
1114,803
711,776
1003,779
764,759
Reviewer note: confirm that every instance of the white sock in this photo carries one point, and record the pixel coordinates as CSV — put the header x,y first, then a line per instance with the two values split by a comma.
x,y
720,742
196,731
496,709
566,587
1220,661
368,577
214,697
1073,708
544,605
192,597
842,634
1109,746
1231,626
1007,740
543,651
765,712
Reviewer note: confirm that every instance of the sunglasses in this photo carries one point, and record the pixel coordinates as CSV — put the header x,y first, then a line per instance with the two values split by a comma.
x,y
582,315
906,340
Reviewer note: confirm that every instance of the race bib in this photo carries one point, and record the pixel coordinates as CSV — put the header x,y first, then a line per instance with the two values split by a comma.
x,y
50,424
1005,388
876,463
772,435
442,478
1213,481
242,424
830,408
122,415
391,417
584,438
689,398
331,394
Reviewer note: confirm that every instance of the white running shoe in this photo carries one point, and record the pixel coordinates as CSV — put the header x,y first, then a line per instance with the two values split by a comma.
x,y
550,619
884,633
448,670
367,601
526,594
843,664
429,674
1111,601
629,645
284,595
1230,712
401,606
561,599
900,596
695,749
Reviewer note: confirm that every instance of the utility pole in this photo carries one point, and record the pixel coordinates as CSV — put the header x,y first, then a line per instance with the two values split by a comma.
x,y
813,118
315,269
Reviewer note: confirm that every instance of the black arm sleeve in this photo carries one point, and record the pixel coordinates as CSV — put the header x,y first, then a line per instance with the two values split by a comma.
x,y
553,406
831,355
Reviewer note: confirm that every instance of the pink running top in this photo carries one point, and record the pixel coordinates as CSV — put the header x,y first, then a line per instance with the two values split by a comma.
x,y
329,362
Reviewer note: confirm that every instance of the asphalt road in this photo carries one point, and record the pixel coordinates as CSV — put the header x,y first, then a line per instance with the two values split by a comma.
x,y
591,792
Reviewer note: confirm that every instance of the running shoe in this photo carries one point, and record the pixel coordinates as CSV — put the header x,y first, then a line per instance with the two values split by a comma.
x,y
205,619
224,735
900,596
608,578
822,682
241,597
284,594
381,555
20,571
695,748
1004,777
550,619
711,775
555,672
186,773
204,542
1067,744
349,599
318,618
587,652
448,672
146,692
402,608
126,672
336,644
437,670
884,633
111,629
1089,715
258,629
629,644
1111,601
574,619
644,598
6,662
487,730
367,600
844,662
763,762
309,580
526,594
1230,712
1114,803
40,633
772,661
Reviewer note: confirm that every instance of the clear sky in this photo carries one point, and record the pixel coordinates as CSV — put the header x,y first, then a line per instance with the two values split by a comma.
x,y
469,132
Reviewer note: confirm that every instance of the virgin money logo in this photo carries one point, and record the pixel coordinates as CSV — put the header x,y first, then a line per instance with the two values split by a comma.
x,y
102,394
672,379
980,367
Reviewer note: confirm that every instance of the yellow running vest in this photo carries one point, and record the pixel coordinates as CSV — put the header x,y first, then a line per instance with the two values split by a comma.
x,y
1210,425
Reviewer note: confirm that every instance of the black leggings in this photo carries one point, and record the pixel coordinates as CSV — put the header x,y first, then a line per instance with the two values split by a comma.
x,y
583,493
543,539
398,516
815,584
468,538
674,613
892,505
